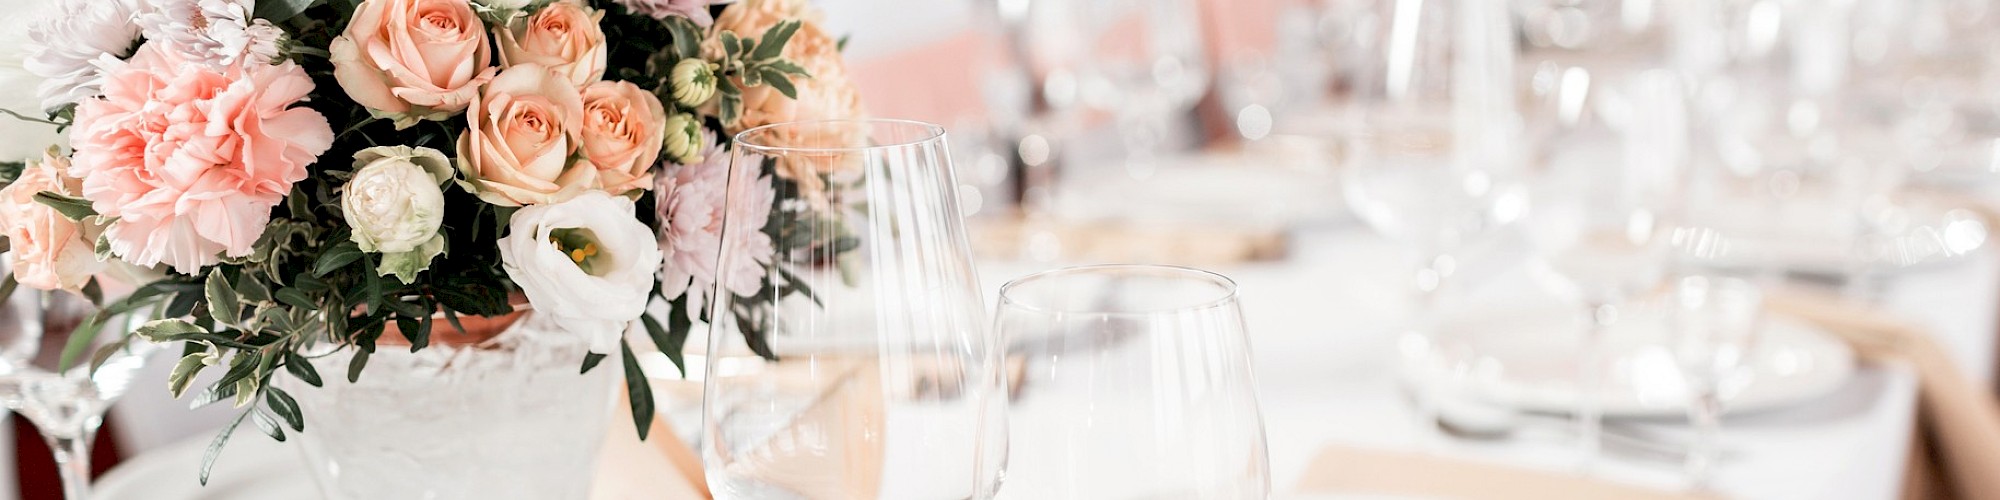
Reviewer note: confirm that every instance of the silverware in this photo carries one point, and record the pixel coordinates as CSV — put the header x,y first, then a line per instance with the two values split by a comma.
x,y
1479,421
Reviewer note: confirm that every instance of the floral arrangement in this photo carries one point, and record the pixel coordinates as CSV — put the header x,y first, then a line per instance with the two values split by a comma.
x,y
280,177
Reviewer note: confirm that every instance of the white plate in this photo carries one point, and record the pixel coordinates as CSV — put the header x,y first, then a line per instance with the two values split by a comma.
x,y
1804,236
1528,359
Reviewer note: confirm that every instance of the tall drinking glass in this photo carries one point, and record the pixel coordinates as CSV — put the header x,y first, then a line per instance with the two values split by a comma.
x,y
1715,324
1605,198
875,373
1436,167
66,405
1134,383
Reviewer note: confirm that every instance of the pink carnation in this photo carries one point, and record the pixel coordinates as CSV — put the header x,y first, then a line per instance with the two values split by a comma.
x,y
694,10
691,203
191,159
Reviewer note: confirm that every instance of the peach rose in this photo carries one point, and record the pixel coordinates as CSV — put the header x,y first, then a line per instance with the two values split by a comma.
x,y
563,37
191,160
623,129
749,18
49,250
826,94
412,60
524,129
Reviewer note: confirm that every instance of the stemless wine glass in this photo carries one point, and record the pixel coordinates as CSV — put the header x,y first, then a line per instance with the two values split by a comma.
x,y
1436,167
1134,384
67,406
1715,321
877,375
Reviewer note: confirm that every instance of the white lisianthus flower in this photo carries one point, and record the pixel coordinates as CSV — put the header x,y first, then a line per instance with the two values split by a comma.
x,y
395,207
588,262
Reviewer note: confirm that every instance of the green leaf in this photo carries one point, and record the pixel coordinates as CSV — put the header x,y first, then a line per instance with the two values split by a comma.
x,y
687,37
7,286
278,11
337,257
182,305
773,42
285,406
184,372
591,359
217,392
81,338
787,67
167,330
731,45
665,340
755,338
222,300
252,289
104,354
91,290
76,209
355,365
777,80
295,298
638,389
215,447
302,368
422,338
268,425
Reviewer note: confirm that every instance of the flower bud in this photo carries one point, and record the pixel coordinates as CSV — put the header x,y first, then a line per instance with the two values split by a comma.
x,y
683,139
694,82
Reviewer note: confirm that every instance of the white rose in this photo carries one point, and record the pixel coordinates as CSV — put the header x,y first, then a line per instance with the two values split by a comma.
x,y
395,206
588,262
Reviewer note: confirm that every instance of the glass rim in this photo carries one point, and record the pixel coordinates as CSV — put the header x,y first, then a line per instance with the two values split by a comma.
x,y
1229,287
932,132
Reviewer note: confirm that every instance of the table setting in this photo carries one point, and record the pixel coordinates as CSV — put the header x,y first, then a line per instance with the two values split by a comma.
x,y
685,249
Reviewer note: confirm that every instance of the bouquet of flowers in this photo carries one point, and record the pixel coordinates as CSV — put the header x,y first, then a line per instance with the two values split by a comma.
x,y
278,177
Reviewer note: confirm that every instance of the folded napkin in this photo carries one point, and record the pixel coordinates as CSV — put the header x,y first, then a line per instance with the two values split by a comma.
x,y
661,467
1957,451
1345,470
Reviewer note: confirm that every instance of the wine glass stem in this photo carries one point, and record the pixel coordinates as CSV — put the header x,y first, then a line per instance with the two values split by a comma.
x,y
1590,379
1707,415
72,456
1435,358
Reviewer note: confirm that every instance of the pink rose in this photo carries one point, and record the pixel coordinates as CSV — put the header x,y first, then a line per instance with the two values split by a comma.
x,y
191,160
524,129
563,37
623,129
49,250
412,60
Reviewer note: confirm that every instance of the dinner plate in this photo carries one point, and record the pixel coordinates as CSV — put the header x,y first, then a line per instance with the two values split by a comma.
x,y
1802,236
1527,358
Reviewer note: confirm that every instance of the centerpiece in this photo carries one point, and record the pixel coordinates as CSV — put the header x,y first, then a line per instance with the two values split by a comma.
x,y
482,198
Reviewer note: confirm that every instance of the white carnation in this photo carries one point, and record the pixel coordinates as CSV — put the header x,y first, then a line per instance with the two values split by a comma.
x,y
588,262
69,47
218,33
394,206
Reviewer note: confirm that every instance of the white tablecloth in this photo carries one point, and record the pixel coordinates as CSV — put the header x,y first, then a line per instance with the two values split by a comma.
x,y
1322,329
1322,332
